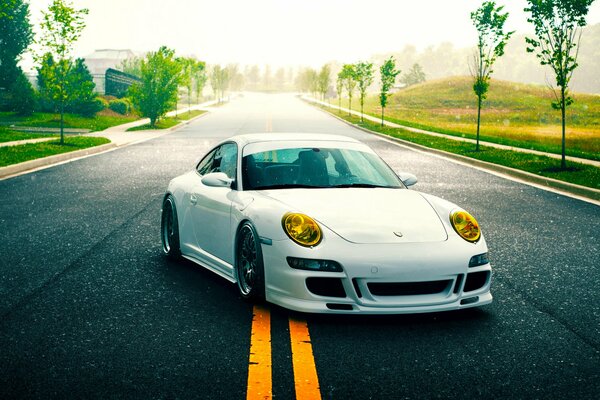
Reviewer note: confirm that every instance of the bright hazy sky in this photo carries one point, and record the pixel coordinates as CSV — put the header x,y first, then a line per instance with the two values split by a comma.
x,y
282,32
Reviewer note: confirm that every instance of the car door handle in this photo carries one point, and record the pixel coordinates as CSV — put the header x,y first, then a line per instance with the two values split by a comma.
x,y
193,199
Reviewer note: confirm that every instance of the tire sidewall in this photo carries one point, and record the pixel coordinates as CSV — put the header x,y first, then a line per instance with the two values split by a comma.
x,y
174,248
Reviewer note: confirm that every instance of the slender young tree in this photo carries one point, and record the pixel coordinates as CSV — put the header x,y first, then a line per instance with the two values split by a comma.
x,y
348,75
558,26
61,26
491,39
339,87
388,73
323,80
364,78
199,78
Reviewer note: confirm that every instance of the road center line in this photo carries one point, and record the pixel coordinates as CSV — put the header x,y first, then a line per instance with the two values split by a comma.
x,y
259,364
305,371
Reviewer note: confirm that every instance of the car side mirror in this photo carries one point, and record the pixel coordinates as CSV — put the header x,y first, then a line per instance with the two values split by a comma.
x,y
217,179
407,178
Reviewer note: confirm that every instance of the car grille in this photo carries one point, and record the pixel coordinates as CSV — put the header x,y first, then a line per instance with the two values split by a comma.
x,y
407,288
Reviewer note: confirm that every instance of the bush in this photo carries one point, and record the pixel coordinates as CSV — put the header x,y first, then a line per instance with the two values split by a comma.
x,y
119,106
22,96
88,108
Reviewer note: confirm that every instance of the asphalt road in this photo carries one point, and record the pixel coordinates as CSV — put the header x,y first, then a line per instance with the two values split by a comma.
x,y
91,309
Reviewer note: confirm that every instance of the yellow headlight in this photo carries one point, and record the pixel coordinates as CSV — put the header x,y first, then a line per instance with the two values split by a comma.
x,y
302,229
465,225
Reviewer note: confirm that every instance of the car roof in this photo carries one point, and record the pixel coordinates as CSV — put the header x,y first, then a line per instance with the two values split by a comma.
x,y
285,137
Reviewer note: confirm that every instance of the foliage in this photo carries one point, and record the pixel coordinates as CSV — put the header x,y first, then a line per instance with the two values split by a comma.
x,y
388,74
49,120
414,76
15,36
236,78
80,86
557,25
157,92
20,97
323,80
307,80
348,76
491,40
119,106
61,27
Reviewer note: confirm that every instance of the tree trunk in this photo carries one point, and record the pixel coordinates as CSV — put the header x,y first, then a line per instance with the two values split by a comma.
x,y
350,106
382,112
62,121
478,120
563,107
362,102
340,104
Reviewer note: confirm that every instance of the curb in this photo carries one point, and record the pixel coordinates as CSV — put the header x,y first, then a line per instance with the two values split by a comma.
x,y
577,190
10,170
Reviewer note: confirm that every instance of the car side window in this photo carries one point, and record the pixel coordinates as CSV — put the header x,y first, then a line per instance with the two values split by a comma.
x,y
205,165
227,160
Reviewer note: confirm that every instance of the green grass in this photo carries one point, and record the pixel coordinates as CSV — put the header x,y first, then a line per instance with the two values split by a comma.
x,y
48,120
513,114
585,175
7,135
168,122
16,154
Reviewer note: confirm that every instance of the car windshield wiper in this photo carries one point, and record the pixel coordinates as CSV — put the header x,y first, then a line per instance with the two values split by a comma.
x,y
362,185
290,186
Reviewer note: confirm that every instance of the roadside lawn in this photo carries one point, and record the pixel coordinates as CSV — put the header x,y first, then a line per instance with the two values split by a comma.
x,y
580,174
7,135
513,114
16,154
102,120
169,122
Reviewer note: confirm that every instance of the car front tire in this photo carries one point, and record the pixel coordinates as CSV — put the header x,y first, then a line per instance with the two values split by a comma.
x,y
250,273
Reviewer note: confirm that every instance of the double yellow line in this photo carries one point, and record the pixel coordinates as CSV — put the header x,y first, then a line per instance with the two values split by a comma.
x,y
259,368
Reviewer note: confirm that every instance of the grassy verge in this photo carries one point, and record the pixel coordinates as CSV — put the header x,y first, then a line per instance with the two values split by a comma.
x,y
7,135
514,114
585,175
100,122
16,154
169,122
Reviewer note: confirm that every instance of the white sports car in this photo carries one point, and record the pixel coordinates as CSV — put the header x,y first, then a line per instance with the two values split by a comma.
x,y
319,223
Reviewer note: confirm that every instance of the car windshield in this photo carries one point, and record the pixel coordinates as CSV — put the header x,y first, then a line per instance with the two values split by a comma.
x,y
315,168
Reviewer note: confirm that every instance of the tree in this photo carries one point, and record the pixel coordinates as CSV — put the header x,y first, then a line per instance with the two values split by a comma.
x,y
388,73
491,39
61,27
186,76
157,92
323,80
414,76
80,85
219,81
348,75
364,79
15,36
558,25
131,66
339,87
199,78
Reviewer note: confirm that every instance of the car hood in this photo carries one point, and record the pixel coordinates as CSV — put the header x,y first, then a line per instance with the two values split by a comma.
x,y
368,215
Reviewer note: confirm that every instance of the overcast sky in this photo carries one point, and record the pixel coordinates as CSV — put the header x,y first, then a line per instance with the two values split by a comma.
x,y
281,32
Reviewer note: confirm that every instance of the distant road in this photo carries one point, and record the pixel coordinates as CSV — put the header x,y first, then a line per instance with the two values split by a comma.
x,y
91,309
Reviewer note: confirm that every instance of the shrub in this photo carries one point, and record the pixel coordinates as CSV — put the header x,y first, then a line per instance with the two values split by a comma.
x,y
22,96
119,106
88,108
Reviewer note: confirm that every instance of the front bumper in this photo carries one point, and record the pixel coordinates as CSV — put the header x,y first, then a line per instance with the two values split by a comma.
x,y
381,278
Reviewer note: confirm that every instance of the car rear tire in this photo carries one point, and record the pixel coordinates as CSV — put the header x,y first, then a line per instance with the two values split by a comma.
x,y
250,273
169,229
